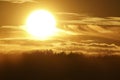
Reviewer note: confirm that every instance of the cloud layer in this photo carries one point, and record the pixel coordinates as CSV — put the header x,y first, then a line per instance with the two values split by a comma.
x,y
85,47
77,33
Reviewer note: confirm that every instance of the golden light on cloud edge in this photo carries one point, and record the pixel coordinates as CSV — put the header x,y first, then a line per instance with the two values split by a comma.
x,y
41,24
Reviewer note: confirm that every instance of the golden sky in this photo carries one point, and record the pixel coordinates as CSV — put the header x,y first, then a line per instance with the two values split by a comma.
x,y
15,11
90,25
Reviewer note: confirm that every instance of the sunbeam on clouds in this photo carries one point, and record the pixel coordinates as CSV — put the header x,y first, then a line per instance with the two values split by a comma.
x,y
76,33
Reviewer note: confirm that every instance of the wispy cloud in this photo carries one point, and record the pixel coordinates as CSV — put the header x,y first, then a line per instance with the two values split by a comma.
x,y
93,21
19,1
86,46
92,35
87,25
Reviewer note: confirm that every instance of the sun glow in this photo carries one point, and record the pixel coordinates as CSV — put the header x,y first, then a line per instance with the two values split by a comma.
x,y
41,24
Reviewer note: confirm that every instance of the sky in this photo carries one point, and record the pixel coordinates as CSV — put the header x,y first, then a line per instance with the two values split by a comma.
x,y
14,12
90,26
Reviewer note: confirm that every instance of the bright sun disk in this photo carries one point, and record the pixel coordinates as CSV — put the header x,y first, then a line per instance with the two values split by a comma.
x,y
41,24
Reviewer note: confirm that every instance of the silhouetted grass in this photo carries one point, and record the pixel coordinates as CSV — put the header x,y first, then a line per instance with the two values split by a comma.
x,y
48,65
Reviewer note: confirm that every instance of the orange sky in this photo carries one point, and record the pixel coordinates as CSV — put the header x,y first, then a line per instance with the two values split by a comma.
x,y
16,13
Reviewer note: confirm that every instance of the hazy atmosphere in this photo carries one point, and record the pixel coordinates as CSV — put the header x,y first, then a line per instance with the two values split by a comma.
x,y
59,39
82,27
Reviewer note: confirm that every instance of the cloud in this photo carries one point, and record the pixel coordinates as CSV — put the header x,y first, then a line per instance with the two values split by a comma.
x,y
93,21
19,1
86,46
89,35
76,18
106,27
64,14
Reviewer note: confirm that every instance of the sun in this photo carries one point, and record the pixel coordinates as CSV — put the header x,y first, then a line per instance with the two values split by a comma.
x,y
41,24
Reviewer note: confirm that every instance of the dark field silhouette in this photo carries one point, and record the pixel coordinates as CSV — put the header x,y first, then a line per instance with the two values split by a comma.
x,y
47,65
